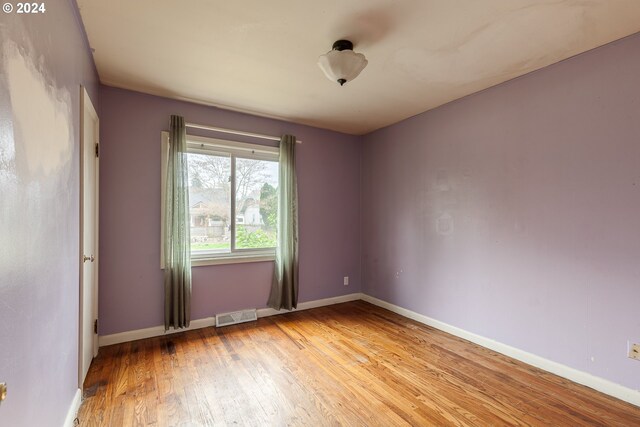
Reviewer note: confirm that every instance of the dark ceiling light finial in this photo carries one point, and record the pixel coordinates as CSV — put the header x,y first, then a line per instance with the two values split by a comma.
x,y
342,45
341,64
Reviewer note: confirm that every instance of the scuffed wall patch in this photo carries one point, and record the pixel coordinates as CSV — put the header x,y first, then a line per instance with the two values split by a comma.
x,y
444,224
36,159
41,114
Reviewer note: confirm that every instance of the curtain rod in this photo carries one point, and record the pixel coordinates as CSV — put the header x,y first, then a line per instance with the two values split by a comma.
x,y
236,132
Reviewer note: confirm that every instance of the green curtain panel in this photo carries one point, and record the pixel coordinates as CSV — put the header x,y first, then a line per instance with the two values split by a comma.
x,y
177,250
284,288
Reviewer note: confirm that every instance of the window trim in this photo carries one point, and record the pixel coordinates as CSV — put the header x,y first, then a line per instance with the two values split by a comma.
x,y
233,149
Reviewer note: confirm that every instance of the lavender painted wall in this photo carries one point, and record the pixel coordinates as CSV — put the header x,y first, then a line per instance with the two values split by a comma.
x,y
515,213
43,61
131,289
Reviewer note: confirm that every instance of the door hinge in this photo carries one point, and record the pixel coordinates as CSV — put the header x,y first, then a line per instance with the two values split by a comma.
x,y
95,326
97,149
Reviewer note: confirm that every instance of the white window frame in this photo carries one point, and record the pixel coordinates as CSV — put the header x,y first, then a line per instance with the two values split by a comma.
x,y
203,145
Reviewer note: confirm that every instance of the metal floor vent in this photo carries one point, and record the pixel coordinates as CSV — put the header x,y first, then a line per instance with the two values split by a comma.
x,y
226,319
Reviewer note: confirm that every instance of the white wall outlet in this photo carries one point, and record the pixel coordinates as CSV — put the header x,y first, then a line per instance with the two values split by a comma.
x,y
346,280
634,351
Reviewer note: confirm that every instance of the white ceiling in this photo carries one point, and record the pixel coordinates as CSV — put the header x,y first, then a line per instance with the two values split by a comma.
x,y
260,56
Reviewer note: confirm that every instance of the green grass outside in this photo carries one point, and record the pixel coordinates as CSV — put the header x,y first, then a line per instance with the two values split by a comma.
x,y
200,246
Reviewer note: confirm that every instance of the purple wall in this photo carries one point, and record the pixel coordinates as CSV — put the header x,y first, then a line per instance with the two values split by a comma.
x,y
131,289
43,62
515,213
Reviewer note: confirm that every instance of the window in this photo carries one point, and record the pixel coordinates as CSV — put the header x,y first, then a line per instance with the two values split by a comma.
x,y
232,200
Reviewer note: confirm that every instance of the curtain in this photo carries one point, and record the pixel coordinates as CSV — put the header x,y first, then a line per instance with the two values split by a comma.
x,y
284,287
177,250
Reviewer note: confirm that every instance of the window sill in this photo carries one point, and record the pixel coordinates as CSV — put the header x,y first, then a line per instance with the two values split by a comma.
x,y
231,259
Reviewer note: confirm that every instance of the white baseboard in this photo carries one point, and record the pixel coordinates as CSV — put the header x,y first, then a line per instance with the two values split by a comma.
x,y
157,331
580,377
265,312
72,413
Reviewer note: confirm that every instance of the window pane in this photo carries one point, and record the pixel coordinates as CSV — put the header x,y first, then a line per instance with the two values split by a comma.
x,y
209,203
256,203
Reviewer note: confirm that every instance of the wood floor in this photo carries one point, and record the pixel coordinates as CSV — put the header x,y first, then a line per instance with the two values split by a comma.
x,y
347,364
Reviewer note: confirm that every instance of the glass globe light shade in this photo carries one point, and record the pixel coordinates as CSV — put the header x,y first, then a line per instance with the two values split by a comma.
x,y
342,65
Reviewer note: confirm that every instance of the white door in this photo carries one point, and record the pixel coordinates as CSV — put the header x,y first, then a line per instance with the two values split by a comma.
x,y
89,127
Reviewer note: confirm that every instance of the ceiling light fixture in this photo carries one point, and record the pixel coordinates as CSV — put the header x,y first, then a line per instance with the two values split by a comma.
x,y
341,64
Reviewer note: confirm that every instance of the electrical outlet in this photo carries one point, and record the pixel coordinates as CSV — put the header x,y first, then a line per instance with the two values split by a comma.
x,y
634,351
346,280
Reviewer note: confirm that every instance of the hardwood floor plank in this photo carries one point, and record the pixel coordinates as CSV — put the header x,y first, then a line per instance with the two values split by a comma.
x,y
351,364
